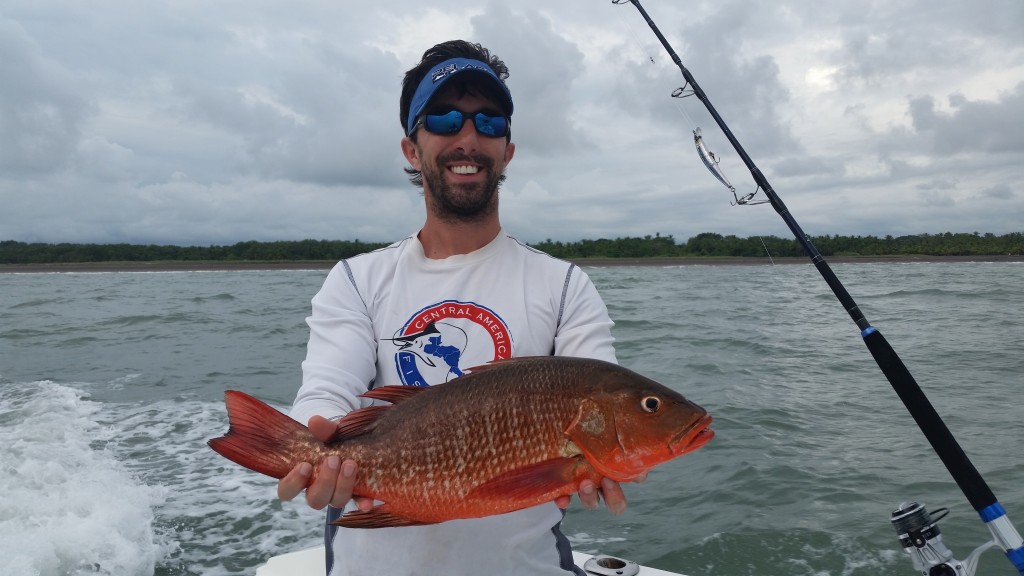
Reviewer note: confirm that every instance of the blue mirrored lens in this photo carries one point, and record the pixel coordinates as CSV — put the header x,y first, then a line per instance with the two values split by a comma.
x,y
451,122
447,123
493,126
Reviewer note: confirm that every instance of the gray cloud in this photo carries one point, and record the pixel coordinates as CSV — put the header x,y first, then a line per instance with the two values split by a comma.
x,y
40,110
1000,192
197,124
543,68
881,41
971,126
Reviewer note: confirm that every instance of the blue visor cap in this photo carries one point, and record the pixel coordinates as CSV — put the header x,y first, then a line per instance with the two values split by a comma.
x,y
445,71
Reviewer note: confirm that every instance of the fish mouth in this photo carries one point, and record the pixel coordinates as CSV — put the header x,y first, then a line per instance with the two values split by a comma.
x,y
693,437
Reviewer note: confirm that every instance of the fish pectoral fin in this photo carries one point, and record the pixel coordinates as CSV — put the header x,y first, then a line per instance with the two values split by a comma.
x,y
529,482
375,518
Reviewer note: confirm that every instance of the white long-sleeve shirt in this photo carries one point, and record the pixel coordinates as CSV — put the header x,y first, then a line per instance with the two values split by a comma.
x,y
393,316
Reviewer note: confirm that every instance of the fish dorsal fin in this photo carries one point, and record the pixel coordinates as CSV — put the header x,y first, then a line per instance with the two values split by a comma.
x,y
501,362
393,394
555,477
362,420
358,422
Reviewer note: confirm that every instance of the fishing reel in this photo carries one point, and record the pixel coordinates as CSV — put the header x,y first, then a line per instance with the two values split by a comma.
x,y
921,538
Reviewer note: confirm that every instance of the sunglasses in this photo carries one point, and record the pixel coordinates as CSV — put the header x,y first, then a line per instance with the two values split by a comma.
x,y
451,122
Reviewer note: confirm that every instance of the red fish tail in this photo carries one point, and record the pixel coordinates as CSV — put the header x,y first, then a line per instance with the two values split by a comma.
x,y
261,438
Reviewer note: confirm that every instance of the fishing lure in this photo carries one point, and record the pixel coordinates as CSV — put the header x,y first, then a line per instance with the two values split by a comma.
x,y
711,161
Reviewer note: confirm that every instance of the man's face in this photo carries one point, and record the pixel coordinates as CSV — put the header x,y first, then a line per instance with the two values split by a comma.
x,y
461,171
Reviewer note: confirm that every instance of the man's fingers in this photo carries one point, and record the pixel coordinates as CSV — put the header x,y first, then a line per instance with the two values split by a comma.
x,y
322,428
364,504
588,495
344,484
614,498
334,479
610,491
295,482
321,491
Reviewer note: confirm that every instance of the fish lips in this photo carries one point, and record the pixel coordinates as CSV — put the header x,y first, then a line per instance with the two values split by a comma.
x,y
692,437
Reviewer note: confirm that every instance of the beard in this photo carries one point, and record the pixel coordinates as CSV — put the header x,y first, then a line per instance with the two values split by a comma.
x,y
468,202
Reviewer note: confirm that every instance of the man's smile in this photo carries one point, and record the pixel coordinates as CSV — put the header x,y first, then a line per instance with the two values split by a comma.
x,y
464,169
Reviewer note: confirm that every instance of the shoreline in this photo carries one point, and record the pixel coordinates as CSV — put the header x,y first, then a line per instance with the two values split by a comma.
x,y
228,266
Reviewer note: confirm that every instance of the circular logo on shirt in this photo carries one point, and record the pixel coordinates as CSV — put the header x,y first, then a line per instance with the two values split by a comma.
x,y
442,340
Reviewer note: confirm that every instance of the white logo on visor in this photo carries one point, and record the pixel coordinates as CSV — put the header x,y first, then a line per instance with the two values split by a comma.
x,y
439,74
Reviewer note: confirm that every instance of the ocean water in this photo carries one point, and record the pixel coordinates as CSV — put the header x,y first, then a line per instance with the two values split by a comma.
x,y
110,384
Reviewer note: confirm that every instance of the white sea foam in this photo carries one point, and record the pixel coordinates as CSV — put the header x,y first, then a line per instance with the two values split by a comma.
x,y
90,487
590,543
67,506
223,518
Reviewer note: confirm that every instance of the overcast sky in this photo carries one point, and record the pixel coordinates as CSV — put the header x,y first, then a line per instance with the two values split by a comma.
x,y
192,122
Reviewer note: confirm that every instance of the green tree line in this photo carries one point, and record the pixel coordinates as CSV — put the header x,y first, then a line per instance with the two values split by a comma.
x,y
12,252
707,244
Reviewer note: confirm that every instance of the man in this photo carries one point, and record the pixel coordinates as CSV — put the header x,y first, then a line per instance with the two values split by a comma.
x,y
457,294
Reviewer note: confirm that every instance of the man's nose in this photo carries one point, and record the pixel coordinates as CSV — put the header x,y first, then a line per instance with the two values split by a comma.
x,y
467,137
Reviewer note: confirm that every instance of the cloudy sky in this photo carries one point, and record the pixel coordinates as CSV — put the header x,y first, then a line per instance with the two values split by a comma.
x,y
189,122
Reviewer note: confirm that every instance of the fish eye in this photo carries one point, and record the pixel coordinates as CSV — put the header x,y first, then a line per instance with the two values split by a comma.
x,y
650,403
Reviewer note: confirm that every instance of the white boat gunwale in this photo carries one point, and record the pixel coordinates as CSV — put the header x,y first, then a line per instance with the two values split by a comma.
x,y
312,562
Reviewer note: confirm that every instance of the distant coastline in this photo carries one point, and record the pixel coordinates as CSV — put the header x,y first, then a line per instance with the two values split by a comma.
x,y
250,265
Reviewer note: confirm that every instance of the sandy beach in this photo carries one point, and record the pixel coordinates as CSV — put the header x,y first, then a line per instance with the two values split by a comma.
x,y
167,266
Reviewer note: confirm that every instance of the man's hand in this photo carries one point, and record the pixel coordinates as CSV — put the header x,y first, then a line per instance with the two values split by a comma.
x,y
590,495
333,481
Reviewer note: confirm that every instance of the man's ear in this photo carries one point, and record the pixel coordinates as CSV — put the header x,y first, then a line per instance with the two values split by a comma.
x,y
411,152
510,151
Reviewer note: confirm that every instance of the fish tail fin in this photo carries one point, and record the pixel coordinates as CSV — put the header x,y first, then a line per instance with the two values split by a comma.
x,y
259,437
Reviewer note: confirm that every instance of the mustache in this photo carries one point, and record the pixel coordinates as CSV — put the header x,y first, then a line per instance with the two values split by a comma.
x,y
456,156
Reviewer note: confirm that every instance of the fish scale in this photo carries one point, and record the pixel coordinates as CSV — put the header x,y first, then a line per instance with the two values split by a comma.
x,y
466,462
509,435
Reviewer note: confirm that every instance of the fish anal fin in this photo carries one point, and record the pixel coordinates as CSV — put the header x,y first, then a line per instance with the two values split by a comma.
x,y
550,478
393,394
375,518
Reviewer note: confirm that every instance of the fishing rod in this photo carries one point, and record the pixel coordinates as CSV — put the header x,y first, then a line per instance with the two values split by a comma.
x,y
915,526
